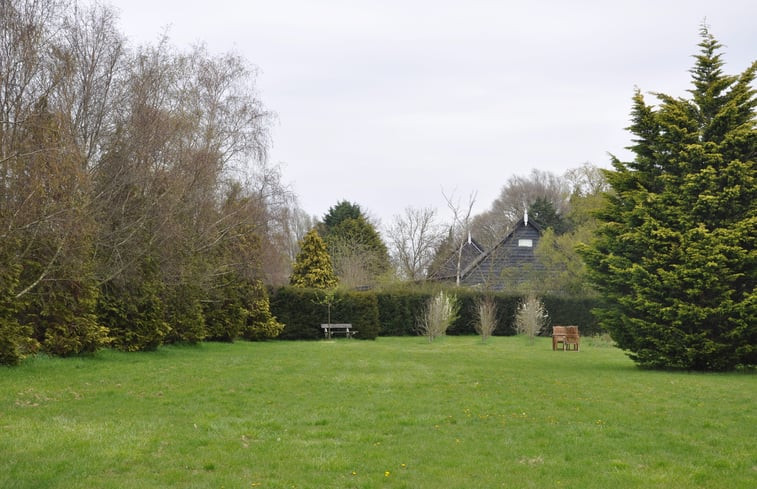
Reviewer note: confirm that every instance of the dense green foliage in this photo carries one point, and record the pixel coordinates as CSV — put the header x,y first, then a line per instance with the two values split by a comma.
x,y
303,311
134,312
398,311
225,312
675,257
339,213
543,211
260,323
15,339
359,255
135,189
312,268
184,313
564,272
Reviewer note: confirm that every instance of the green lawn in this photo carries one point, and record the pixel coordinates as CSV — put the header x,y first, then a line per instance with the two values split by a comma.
x,y
394,413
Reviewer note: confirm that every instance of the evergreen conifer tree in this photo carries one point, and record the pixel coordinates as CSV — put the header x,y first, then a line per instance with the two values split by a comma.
x,y
15,339
358,254
675,256
260,324
312,267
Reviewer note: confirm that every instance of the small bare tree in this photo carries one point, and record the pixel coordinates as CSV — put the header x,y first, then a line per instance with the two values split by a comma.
x,y
463,224
439,314
486,317
354,263
530,317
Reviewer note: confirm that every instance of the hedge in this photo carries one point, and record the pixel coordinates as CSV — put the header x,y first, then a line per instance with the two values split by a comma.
x,y
304,310
396,312
573,311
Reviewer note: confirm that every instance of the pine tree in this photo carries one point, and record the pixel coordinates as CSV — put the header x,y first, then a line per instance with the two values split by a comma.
x,y
339,213
312,267
676,253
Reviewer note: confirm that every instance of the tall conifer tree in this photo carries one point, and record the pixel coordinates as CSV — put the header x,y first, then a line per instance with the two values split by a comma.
x,y
358,253
676,254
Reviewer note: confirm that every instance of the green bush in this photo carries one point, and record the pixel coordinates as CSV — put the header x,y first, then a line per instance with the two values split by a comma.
x,y
225,313
260,323
400,309
64,318
15,339
184,313
134,317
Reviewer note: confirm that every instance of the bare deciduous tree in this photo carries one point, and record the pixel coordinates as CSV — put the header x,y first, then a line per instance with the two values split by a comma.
x,y
516,196
413,239
140,172
297,224
92,54
43,191
461,227
586,180
354,263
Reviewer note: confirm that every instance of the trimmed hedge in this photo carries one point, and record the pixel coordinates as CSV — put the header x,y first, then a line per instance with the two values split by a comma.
x,y
466,323
304,310
573,311
399,311
396,312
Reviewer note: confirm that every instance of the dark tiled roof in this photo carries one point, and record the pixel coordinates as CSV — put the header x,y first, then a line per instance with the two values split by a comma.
x,y
471,252
506,265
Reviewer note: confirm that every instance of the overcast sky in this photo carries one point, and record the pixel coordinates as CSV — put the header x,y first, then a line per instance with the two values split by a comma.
x,y
387,103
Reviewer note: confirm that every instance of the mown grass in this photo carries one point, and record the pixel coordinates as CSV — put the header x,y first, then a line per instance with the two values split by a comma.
x,y
394,413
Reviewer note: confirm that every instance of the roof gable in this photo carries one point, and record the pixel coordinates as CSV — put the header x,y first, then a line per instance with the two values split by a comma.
x,y
510,262
471,252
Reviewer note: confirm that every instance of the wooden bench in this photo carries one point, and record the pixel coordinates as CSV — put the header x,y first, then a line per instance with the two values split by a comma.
x,y
566,336
342,328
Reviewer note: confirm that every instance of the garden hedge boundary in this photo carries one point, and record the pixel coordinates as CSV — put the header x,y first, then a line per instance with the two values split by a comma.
x,y
396,312
304,310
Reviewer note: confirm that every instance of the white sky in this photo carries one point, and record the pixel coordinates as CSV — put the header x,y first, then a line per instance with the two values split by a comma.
x,y
386,103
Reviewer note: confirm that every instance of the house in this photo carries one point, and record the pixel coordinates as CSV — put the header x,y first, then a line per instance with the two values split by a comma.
x,y
470,252
507,266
